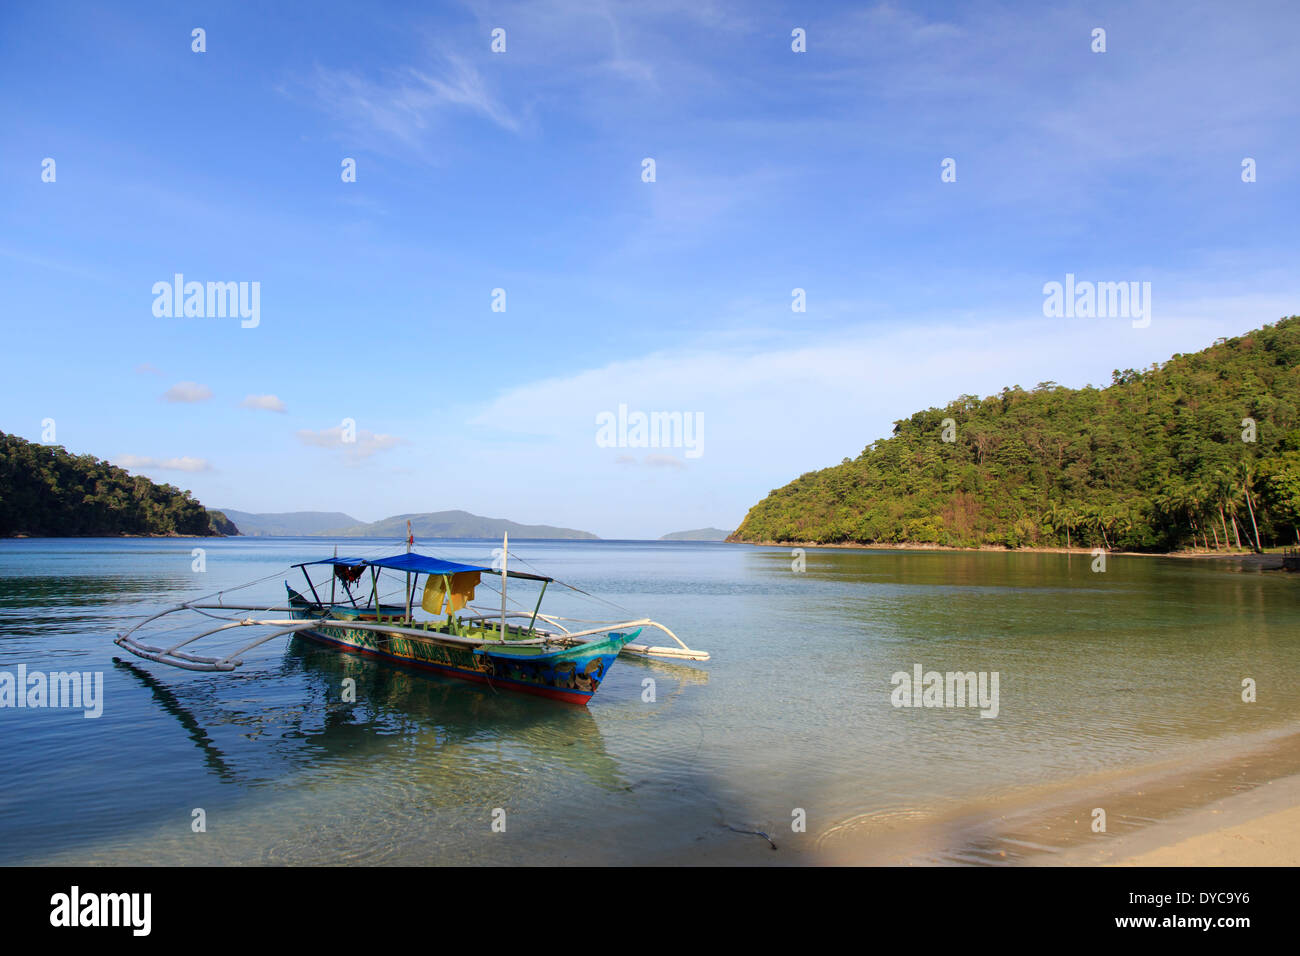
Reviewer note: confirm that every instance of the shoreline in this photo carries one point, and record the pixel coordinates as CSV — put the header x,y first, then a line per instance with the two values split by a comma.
x,y
1260,827
1249,556
1228,802
85,537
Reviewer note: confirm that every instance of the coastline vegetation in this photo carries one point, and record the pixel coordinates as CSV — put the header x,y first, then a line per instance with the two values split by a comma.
x,y
47,492
1200,452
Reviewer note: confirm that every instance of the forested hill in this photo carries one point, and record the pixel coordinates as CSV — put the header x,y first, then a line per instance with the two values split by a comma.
x,y
1160,460
45,491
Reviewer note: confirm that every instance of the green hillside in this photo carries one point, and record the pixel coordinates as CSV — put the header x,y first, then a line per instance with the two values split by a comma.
x,y
1156,461
47,492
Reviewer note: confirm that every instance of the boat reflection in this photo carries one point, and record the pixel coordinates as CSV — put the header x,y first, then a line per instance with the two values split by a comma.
x,y
298,717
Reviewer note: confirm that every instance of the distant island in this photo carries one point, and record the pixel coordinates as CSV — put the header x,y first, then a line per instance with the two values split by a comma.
x,y
699,534
289,524
1202,452
437,524
45,491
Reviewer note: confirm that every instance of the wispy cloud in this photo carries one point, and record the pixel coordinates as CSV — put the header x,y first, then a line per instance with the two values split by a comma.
x,y
651,461
846,389
269,403
663,461
144,368
141,463
187,392
356,445
405,105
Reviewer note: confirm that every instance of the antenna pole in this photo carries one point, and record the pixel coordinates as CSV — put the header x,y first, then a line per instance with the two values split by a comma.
x,y
410,541
505,556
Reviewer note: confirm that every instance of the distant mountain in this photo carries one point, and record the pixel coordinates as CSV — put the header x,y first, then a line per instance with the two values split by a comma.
x,y
699,534
451,524
288,524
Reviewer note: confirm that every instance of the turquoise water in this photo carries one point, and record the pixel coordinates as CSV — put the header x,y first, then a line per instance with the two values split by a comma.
x,y
1096,672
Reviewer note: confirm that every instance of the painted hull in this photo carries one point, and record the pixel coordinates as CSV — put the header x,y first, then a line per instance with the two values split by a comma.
x,y
572,675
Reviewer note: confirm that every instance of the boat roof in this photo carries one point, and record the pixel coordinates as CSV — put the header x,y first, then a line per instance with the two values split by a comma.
x,y
415,563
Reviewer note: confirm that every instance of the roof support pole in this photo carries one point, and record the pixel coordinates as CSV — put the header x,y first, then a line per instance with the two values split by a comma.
x,y
312,586
537,608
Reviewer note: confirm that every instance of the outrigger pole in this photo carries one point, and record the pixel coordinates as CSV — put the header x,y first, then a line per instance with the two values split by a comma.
x,y
180,654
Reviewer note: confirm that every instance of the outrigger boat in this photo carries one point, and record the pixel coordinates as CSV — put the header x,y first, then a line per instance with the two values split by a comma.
x,y
549,660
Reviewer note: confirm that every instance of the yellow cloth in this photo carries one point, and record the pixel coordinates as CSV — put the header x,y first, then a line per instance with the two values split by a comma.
x,y
462,592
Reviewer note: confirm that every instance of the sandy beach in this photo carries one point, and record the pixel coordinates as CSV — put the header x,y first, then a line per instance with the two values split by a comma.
x,y
1258,828
1234,802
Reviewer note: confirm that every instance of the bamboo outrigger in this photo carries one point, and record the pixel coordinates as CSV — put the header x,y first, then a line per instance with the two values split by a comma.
x,y
563,659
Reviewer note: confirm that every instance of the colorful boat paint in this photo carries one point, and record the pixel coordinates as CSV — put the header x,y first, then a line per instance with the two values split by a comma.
x,y
570,674
545,657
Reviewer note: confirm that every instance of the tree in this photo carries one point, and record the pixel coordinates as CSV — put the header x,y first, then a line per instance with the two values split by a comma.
x,y
1154,461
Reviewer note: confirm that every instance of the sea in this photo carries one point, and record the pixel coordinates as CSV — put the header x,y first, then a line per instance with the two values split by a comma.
x,y
823,728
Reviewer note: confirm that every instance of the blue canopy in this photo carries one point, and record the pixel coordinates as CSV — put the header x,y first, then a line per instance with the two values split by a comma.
x,y
414,563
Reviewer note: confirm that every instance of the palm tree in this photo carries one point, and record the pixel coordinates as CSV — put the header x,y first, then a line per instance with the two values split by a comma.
x,y
1221,490
1244,472
1098,518
1198,495
1071,519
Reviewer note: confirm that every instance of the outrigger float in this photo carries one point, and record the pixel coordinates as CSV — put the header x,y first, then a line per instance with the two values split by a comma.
x,y
558,658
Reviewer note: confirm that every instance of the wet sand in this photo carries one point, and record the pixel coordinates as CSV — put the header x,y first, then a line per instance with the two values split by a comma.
x,y
1234,802
1259,828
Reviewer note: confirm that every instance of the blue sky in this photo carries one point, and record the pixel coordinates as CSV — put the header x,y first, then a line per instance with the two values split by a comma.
x,y
522,171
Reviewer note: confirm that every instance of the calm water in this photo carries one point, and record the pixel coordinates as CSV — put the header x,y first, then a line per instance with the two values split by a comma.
x,y
1097,671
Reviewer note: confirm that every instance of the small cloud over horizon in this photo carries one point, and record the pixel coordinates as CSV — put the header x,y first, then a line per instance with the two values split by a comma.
x,y
187,392
651,461
269,403
662,461
142,463
360,445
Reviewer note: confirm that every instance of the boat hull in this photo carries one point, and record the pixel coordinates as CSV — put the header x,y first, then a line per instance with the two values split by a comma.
x,y
572,675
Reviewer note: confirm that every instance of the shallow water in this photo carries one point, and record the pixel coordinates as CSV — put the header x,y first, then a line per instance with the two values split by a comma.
x,y
1097,672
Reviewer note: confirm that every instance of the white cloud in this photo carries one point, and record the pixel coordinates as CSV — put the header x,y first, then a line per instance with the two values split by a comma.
x,y
808,401
269,403
187,392
364,445
141,463
663,461
406,105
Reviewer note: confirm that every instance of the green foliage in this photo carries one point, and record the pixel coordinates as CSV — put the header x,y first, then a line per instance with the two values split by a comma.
x,y
220,524
1153,462
45,491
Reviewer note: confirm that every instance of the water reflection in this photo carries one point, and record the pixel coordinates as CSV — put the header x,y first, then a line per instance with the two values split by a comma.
x,y
398,718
